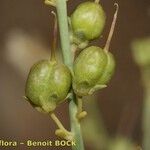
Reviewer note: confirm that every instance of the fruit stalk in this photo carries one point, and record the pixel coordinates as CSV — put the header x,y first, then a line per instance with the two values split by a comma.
x,y
68,60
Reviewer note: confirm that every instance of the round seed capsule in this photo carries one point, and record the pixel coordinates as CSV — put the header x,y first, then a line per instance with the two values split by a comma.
x,y
48,84
88,20
93,69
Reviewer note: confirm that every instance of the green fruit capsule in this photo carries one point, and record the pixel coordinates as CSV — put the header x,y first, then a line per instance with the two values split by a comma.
x,y
94,66
93,69
48,84
88,20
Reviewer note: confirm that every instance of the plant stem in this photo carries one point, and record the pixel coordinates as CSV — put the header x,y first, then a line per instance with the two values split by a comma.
x,y
64,32
75,125
68,60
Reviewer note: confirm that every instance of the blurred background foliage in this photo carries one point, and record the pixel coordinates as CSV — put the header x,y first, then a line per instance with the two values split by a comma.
x,y
115,113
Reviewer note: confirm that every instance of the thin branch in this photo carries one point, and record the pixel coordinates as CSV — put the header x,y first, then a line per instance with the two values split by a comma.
x,y
61,132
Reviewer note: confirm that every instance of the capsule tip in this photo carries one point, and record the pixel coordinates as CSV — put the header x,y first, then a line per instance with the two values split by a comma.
x,y
117,6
